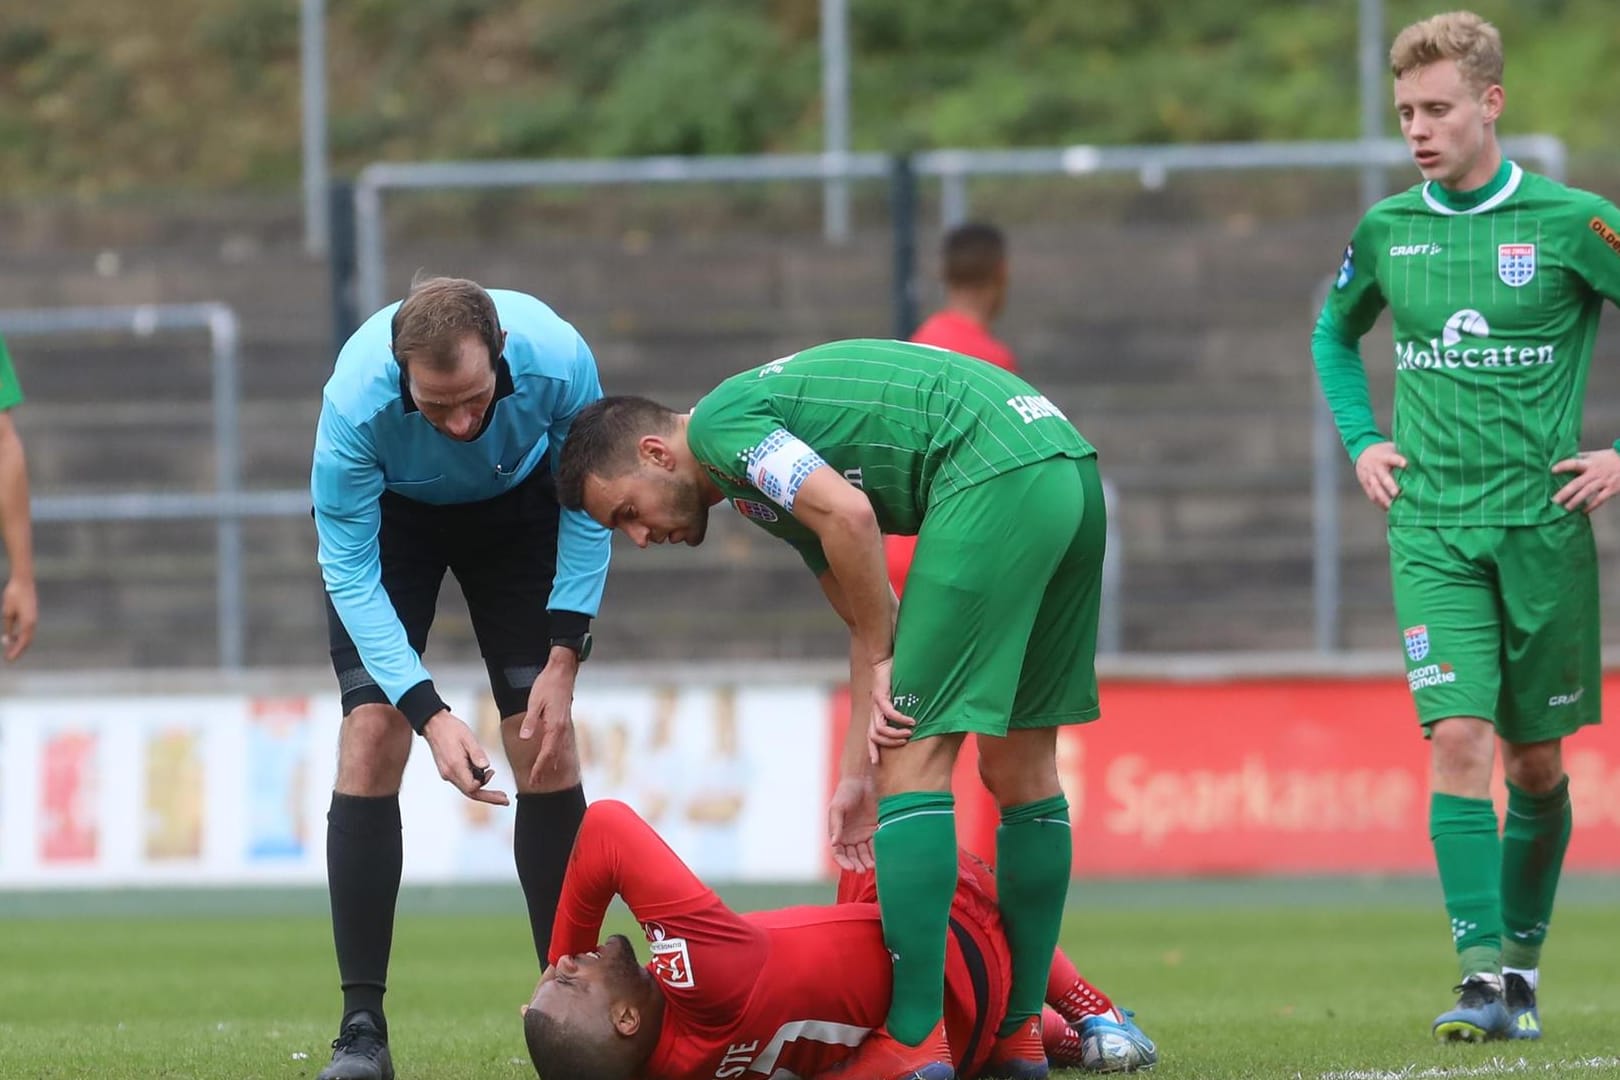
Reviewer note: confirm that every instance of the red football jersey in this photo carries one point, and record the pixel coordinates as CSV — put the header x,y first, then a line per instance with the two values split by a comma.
x,y
774,994
964,334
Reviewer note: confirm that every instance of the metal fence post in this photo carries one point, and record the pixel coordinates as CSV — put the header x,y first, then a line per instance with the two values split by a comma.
x,y
231,610
903,215
343,264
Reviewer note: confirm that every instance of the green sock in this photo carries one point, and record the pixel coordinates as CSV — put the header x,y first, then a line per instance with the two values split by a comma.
x,y
915,848
1533,843
1034,848
1468,852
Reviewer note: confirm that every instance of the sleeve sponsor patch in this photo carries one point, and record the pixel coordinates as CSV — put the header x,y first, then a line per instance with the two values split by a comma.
x,y
1605,233
779,466
1347,269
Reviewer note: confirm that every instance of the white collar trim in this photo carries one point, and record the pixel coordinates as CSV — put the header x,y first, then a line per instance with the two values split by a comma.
x,y
1515,174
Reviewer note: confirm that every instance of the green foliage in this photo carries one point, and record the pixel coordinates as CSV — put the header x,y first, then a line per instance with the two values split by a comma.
x,y
200,87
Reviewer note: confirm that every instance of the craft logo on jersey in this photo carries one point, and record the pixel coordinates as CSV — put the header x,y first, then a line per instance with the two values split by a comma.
x,y
759,511
1347,269
1516,263
671,959
1417,642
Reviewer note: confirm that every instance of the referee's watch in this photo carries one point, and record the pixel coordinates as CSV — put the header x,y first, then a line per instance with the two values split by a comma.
x,y
580,644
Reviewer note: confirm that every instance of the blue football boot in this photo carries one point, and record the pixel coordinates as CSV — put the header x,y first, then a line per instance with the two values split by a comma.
x,y
1115,1045
1480,1013
1524,1017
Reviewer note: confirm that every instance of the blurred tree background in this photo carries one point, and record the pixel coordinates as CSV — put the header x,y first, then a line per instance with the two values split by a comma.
x,y
99,98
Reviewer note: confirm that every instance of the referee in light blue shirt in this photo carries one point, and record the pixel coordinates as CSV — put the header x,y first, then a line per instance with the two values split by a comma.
x,y
438,436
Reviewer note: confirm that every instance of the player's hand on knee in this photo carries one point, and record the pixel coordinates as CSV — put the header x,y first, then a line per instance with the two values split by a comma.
x,y
888,727
1596,479
460,759
1375,471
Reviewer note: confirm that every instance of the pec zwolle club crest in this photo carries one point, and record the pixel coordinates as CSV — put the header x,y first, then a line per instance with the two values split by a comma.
x,y
1417,642
1515,263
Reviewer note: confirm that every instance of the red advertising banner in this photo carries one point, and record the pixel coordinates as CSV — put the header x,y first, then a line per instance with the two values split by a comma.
x,y
1272,776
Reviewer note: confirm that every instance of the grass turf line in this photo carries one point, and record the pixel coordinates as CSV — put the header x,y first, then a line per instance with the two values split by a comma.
x,y
1317,993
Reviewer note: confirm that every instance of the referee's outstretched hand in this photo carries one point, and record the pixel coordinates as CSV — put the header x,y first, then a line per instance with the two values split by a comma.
x,y
460,759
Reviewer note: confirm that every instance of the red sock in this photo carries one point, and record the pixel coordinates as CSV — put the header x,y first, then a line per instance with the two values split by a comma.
x,y
1062,1042
1068,992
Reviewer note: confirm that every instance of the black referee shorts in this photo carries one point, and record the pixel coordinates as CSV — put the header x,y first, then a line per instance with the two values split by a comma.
x,y
503,552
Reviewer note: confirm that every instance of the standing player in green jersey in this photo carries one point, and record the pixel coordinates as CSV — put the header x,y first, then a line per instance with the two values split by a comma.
x,y
829,449
1495,278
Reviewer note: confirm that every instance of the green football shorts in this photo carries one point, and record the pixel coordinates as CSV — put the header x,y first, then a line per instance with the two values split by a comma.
x,y
998,623
1501,623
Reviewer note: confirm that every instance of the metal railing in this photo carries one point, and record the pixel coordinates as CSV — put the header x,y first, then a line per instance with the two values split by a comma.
x,y
227,504
1152,164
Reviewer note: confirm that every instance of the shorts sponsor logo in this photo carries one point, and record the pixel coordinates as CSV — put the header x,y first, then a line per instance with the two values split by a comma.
x,y
759,511
1560,700
1417,642
1432,675
1515,263
1347,269
1605,234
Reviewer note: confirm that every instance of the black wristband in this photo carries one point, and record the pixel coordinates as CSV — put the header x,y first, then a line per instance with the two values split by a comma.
x,y
568,624
420,704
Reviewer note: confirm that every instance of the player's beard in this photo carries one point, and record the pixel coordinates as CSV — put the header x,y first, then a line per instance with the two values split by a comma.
x,y
688,507
619,958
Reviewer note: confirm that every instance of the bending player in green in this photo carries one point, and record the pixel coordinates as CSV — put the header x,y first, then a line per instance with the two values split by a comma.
x,y
1495,278
829,449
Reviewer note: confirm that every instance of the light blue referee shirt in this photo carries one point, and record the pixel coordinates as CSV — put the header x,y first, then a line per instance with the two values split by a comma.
x,y
372,439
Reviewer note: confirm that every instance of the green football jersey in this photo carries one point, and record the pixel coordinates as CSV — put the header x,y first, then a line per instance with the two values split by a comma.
x,y
1495,296
907,424
10,389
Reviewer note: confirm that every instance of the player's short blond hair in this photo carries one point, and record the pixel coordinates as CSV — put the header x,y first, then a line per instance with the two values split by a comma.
x,y
1461,36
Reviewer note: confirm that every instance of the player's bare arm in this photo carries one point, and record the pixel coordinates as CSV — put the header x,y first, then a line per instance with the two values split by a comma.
x,y
1596,479
1375,471
852,811
843,520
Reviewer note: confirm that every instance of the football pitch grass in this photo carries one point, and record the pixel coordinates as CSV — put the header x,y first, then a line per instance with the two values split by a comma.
x,y
1328,980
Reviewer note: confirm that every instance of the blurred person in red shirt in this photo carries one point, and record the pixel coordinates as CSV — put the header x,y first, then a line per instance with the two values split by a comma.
x,y
973,264
790,992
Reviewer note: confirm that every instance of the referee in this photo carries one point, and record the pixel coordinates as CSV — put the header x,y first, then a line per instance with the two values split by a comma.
x,y
438,435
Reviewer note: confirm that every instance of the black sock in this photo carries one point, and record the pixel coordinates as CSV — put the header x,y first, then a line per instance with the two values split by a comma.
x,y
542,839
364,855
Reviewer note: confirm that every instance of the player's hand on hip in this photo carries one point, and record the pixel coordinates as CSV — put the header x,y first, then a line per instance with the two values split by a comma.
x,y
460,759
851,823
19,614
889,726
1375,471
551,711
1597,479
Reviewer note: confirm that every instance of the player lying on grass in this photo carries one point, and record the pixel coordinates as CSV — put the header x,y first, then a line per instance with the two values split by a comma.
x,y
786,993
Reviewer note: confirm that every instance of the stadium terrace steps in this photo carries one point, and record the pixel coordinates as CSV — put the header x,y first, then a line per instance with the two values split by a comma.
x,y
1181,350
